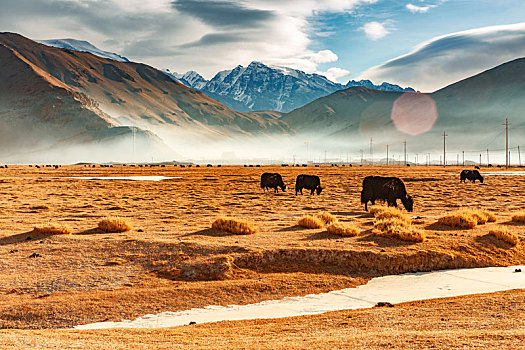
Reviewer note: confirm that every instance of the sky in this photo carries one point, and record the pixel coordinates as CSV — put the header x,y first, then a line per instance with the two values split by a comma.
x,y
425,44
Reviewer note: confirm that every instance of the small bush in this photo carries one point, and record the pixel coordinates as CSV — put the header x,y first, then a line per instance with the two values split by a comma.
x,y
233,225
327,218
467,218
53,229
342,229
519,217
310,222
114,224
506,235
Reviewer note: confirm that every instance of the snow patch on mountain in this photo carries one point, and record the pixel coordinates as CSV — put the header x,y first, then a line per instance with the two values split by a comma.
x,y
82,46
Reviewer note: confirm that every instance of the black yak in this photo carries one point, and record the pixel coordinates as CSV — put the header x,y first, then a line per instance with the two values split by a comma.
x,y
272,180
310,182
471,175
388,189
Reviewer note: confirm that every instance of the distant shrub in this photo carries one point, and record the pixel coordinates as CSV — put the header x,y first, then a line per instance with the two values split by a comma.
x,y
467,218
114,224
233,225
310,222
327,218
343,229
519,217
53,229
506,235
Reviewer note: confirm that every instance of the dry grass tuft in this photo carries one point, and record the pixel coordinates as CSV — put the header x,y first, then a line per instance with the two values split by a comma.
x,y
233,225
506,235
467,218
398,229
342,229
392,222
326,217
519,217
310,222
113,224
53,229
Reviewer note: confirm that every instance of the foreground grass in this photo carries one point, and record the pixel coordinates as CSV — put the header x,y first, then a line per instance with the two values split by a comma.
x,y
392,222
234,225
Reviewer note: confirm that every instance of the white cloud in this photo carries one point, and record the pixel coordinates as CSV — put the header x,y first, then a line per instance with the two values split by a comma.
x,y
375,30
449,58
335,73
204,35
419,9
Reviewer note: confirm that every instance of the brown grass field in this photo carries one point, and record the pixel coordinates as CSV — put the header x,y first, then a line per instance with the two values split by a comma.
x,y
173,260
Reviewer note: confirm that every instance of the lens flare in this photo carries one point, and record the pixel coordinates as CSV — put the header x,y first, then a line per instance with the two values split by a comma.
x,y
414,113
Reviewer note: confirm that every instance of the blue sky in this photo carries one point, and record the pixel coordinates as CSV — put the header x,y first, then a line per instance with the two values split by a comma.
x,y
342,39
357,52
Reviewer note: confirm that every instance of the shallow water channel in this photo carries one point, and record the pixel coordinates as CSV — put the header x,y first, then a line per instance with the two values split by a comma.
x,y
132,178
393,289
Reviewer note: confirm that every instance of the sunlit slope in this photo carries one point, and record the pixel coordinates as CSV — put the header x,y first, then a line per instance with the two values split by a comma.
x,y
137,93
476,106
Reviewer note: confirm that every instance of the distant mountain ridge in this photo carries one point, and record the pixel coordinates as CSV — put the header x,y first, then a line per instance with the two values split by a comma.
x,y
82,46
263,87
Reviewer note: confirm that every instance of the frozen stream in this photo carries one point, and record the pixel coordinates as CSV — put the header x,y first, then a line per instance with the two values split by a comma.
x,y
393,289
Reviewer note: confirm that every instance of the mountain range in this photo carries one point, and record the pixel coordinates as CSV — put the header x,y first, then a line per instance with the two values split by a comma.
x,y
66,105
251,88
53,98
263,87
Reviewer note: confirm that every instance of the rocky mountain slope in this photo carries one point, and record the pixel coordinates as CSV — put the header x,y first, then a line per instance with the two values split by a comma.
x,y
50,96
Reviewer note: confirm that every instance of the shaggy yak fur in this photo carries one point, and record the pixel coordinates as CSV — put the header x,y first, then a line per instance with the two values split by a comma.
x,y
388,189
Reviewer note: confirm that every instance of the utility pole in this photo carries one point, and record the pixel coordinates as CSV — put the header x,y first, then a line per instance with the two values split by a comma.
x,y
507,160
428,160
361,156
480,159
488,162
386,155
444,148
457,159
519,155
325,156
405,147
463,158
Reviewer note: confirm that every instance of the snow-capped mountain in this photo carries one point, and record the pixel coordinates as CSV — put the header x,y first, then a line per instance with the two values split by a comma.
x,y
262,87
82,46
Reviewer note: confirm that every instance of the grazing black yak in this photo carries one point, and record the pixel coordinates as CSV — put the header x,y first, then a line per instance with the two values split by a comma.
x,y
388,189
310,182
272,180
471,175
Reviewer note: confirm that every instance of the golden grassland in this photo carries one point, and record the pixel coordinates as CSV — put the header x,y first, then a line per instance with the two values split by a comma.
x,y
171,260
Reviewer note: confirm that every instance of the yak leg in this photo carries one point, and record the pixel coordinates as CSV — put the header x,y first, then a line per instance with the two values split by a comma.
x,y
312,192
366,207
